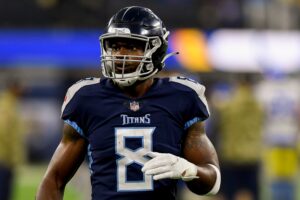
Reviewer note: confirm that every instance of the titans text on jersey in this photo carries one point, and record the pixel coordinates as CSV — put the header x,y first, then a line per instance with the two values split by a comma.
x,y
136,120
121,131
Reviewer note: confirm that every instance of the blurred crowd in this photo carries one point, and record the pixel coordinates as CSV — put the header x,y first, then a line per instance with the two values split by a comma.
x,y
259,14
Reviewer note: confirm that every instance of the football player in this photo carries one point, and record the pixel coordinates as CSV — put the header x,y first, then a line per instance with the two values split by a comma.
x,y
141,134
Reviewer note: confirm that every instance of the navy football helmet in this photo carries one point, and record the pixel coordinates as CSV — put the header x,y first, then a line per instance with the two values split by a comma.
x,y
137,25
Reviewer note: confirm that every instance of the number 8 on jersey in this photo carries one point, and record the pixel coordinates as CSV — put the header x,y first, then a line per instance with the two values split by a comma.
x,y
129,156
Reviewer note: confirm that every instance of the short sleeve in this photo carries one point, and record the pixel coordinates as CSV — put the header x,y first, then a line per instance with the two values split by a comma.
x,y
72,110
196,107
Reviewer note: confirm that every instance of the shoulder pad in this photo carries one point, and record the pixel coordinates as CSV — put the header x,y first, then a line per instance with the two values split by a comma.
x,y
192,84
76,87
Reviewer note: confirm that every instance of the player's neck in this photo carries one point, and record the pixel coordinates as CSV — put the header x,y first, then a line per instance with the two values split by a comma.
x,y
139,89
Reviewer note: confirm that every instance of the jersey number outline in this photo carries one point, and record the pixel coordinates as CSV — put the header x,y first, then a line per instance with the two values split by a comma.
x,y
129,156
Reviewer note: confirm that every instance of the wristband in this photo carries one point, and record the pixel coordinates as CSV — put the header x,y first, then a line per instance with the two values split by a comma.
x,y
217,184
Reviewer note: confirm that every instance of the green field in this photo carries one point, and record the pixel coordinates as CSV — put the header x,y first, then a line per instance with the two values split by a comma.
x,y
28,179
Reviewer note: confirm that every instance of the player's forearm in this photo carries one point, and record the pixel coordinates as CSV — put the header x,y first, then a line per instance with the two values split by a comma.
x,y
50,190
208,180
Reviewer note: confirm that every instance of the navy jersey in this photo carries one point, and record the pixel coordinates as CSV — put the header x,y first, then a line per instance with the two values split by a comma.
x,y
121,130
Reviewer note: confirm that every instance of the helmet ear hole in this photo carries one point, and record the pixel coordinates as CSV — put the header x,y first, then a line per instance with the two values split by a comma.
x,y
156,42
149,67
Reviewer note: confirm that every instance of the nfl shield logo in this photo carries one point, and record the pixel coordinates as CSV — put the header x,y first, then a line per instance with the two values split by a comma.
x,y
134,106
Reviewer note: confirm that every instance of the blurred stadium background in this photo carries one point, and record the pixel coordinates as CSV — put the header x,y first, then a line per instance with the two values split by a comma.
x,y
246,52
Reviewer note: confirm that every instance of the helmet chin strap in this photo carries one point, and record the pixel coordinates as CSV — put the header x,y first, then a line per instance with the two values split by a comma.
x,y
124,83
125,80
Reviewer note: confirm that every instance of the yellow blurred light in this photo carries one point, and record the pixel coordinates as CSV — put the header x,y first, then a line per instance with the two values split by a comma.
x,y
193,50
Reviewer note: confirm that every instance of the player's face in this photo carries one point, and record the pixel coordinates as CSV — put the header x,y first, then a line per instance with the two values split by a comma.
x,y
131,48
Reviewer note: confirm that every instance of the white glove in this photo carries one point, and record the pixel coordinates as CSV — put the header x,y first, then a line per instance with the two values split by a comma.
x,y
165,165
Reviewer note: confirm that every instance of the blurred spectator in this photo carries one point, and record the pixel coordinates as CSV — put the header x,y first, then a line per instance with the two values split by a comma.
x,y
255,13
282,14
280,97
240,127
11,144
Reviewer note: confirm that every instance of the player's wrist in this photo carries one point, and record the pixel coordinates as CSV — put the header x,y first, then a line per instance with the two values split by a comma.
x,y
190,171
